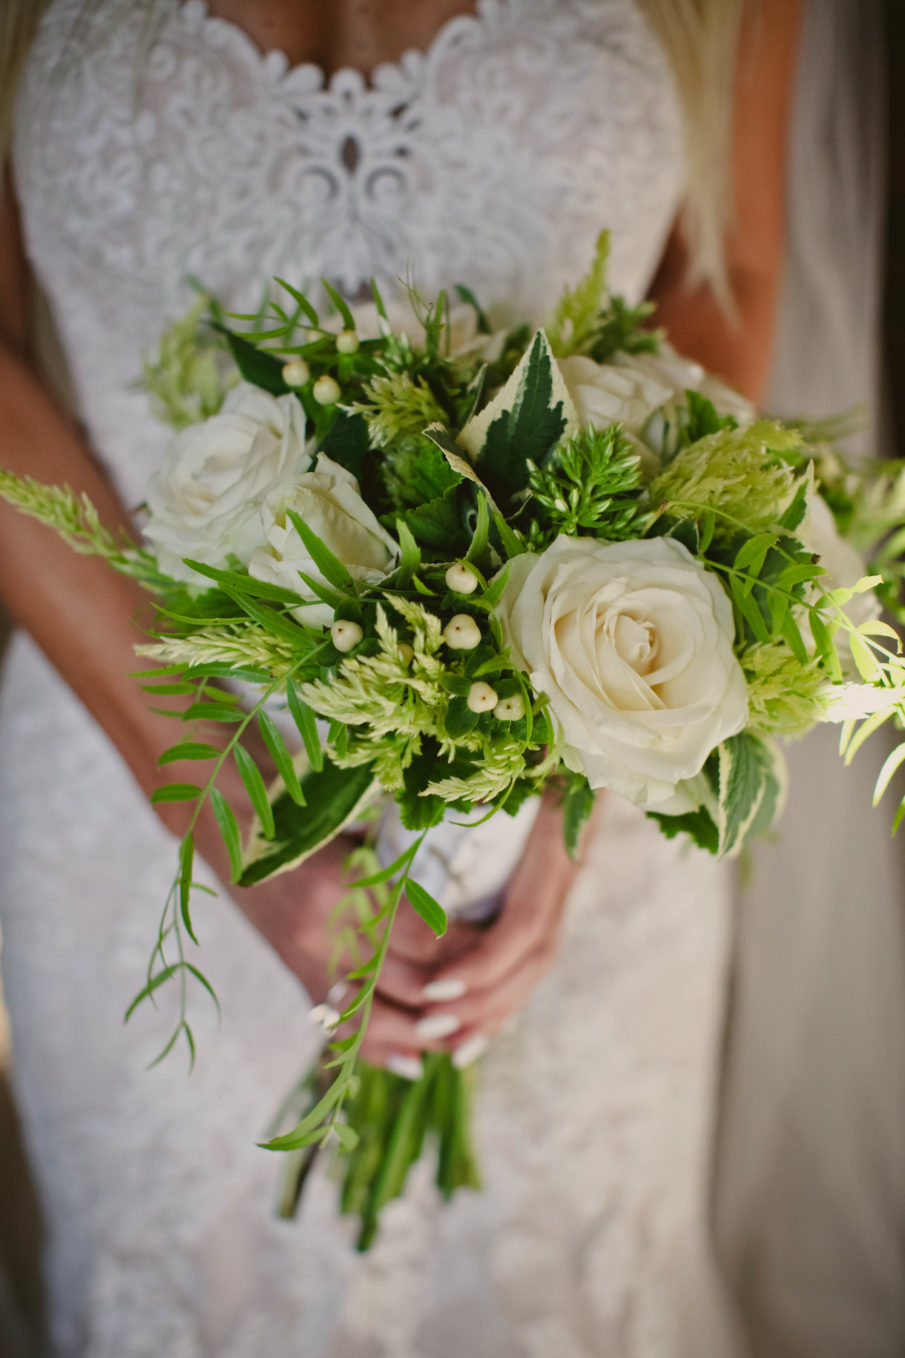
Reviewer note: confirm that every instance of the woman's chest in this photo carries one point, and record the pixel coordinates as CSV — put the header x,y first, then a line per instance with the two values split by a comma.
x,y
156,142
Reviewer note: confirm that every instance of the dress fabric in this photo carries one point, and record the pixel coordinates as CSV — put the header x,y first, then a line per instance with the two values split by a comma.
x,y
155,142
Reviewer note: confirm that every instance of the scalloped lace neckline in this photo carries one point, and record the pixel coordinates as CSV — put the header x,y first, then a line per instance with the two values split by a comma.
x,y
276,63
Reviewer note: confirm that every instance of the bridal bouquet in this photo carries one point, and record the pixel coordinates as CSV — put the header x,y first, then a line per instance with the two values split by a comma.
x,y
455,564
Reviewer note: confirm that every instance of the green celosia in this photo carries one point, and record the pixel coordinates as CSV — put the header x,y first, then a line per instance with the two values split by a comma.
x,y
785,697
750,476
188,378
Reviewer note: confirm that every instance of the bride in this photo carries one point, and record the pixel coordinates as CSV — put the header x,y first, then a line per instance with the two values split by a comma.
x,y
233,141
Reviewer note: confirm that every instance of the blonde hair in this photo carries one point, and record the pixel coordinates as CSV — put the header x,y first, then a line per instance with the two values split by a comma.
x,y
699,38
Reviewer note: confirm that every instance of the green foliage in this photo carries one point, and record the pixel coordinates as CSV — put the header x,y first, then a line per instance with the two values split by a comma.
x,y
750,785
73,516
578,803
522,424
590,485
575,319
785,697
751,476
187,378
676,426
621,329
332,798
396,405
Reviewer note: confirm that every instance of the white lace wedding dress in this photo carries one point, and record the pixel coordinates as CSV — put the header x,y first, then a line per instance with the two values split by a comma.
x,y
156,142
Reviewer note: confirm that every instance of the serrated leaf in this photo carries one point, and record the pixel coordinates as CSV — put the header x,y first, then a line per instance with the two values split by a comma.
x,y
523,422
229,830
423,903
578,804
254,786
281,757
333,796
747,775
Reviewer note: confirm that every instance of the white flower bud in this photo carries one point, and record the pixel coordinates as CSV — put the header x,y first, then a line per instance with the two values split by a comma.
x,y
326,390
406,654
296,372
347,342
461,579
510,709
462,633
346,635
481,698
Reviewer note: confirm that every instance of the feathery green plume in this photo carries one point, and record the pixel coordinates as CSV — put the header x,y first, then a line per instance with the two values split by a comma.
x,y
748,475
785,697
184,379
589,486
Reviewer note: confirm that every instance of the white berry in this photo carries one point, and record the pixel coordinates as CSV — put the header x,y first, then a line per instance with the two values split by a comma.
x,y
326,390
296,373
510,709
462,633
406,653
481,698
460,579
347,342
346,635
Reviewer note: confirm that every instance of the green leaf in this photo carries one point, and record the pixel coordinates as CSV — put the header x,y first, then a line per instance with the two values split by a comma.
x,y
698,824
411,553
341,305
175,792
424,904
281,757
329,566
188,749
205,711
347,442
466,295
254,786
186,860
147,991
307,727
578,803
346,1136
301,302
245,584
523,422
229,830
262,370
333,797
749,789
435,524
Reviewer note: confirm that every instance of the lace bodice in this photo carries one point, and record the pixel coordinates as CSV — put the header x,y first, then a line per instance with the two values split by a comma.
x,y
155,142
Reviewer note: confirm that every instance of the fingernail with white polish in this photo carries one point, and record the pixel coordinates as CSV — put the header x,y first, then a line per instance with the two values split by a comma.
x,y
323,1016
436,1026
470,1051
438,991
409,1067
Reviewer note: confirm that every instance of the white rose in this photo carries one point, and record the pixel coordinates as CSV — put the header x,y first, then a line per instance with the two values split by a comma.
x,y
628,390
204,500
328,501
632,644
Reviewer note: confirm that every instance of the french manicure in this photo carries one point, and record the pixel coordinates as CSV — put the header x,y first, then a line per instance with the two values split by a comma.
x,y
436,992
470,1051
409,1067
436,1026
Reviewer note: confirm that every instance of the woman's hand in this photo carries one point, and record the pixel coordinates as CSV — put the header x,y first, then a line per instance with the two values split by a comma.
x,y
453,993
